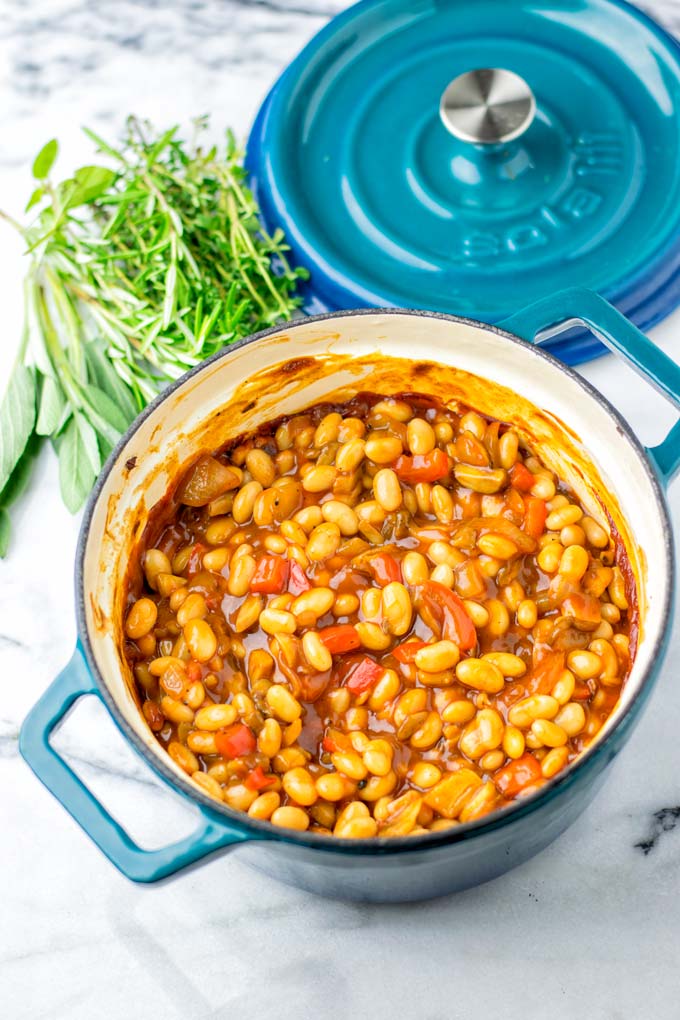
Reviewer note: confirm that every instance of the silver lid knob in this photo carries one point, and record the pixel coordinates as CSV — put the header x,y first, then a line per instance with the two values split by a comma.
x,y
487,106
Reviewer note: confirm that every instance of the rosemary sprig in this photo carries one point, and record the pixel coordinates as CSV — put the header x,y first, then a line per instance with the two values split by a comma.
x,y
138,270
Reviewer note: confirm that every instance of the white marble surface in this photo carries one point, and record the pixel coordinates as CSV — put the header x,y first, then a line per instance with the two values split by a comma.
x,y
590,928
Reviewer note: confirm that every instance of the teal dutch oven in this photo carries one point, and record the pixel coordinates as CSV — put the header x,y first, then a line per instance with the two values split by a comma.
x,y
610,464
473,157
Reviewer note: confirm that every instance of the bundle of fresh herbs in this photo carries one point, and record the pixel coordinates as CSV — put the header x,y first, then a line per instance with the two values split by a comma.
x,y
138,270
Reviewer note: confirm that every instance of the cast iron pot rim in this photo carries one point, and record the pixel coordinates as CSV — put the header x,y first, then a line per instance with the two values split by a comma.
x,y
262,830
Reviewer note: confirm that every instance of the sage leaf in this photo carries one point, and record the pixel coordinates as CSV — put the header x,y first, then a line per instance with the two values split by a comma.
x,y
76,476
105,377
43,162
50,407
88,437
89,183
36,195
17,418
15,486
18,481
105,415
5,532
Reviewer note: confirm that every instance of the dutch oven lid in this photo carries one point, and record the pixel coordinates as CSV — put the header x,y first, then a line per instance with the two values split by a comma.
x,y
471,157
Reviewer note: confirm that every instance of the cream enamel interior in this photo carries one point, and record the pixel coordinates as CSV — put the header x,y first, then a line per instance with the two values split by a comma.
x,y
356,353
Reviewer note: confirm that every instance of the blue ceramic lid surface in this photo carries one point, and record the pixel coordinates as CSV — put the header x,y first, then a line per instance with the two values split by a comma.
x,y
386,206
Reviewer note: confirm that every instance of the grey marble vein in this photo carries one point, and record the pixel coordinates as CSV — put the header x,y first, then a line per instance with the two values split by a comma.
x,y
663,821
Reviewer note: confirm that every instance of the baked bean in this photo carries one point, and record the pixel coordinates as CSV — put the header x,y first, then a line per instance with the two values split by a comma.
x,y
508,447
574,562
499,619
216,559
319,478
290,818
269,738
420,436
483,733
264,806
215,717
564,688
509,664
571,718
323,541
550,557
513,742
460,711
437,657
426,775
586,665
345,604
382,448
498,546
244,501
387,489
536,706
201,639
373,636
282,703
549,733
141,618
155,562
299,786
277,621
316,653
554,761
350,455
480,675
396,606
339,513
527,614
316,601
241,574
595,533
183,757
442,504
384,691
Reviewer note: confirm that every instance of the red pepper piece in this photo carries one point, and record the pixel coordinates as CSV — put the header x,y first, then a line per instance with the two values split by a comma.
x,y
364,676
582,692
271,575
194,670
335,741
517,775
235,741
422,467
406,652
543,677
457,625
535,516
195,561
522,478
341,638
297,579
385,569
257,779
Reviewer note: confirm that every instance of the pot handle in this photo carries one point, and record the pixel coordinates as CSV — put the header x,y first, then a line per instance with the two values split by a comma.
x,y
579,305
74,682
